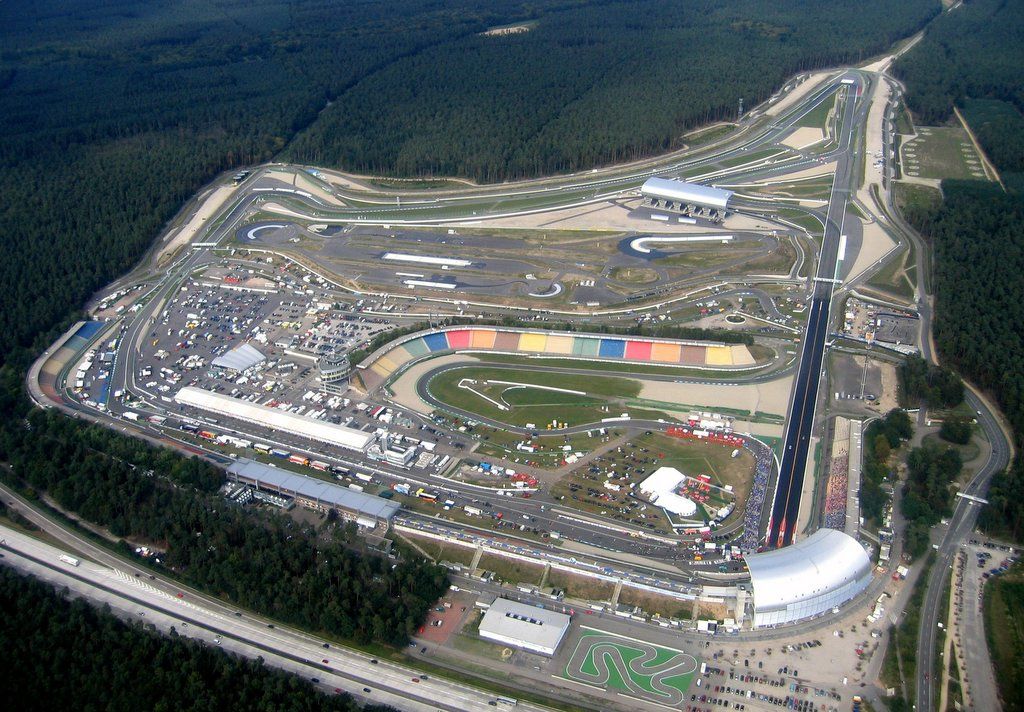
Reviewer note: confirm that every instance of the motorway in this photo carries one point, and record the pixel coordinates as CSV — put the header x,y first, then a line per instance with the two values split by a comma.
x,y
104,578
961,524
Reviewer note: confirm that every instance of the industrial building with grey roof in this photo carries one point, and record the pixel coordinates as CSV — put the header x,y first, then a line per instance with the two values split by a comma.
x,y
366,510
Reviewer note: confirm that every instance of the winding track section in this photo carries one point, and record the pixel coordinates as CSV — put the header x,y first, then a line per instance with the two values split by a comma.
x,y
604,652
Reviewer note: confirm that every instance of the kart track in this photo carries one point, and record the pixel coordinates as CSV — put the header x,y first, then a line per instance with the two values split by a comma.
x,y
638,669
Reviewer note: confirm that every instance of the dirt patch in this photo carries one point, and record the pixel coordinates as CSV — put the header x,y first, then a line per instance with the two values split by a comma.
x,y
185,234
652,603
769,397
803,137
581,587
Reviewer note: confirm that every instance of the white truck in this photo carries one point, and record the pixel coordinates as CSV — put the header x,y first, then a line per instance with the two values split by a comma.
x,y
69,560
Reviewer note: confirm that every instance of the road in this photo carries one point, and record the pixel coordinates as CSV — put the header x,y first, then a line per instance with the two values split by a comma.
x,y
961,524
130,590
800,421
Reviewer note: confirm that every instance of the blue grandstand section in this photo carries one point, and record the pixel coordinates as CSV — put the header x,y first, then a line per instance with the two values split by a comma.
x,y
84,335
436,342
612,348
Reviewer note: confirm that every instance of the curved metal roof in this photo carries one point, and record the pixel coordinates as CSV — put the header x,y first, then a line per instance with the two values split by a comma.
x,y
826,561
682,191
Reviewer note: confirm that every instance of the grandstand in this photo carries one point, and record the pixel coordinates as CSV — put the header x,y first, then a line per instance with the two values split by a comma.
x,y
551,344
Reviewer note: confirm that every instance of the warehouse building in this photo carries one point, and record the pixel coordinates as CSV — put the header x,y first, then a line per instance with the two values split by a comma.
x,y
522,626
275,419
689,199
240,358
367,511
807,579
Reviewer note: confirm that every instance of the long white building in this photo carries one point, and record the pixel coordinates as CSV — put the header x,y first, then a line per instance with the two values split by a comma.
x,y
275,419
689,199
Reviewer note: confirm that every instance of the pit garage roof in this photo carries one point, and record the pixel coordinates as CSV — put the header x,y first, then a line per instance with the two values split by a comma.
x,y
240,358
275,418
527,626
683,192
313,489
810,577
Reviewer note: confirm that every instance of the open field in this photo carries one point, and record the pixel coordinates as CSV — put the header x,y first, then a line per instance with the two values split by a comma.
x,y
628,465
512,570
581,587
939,152
894,277
473,389
817,117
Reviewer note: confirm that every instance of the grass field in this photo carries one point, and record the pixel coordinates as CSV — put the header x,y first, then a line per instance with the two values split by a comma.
x,y
631,463
1004,629
816,118
633,275
524,406
911,198
894,278
941,152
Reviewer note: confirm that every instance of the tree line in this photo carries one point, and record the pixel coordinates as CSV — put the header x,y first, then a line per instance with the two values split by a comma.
x,y
973,58
319,580
102,662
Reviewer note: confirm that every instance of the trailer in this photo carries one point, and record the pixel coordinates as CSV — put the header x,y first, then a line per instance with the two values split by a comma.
x,y
72,561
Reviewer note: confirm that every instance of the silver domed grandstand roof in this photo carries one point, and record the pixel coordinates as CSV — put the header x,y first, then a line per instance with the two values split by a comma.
x,y
683,192
810,577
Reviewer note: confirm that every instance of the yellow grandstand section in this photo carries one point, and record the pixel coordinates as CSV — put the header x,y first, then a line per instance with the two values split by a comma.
x,y
718,356
533,342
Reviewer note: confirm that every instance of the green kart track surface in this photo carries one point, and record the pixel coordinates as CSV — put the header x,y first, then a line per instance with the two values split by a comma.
x,y
650,672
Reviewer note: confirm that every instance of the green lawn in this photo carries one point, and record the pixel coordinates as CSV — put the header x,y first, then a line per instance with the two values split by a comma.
x,y
816,118
604,396
893,278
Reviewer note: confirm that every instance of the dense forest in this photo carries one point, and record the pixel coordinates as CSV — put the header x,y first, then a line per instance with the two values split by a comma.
x,y
973,58
114,114
928,384
320,581
881,438
597,83
102,662
978,237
